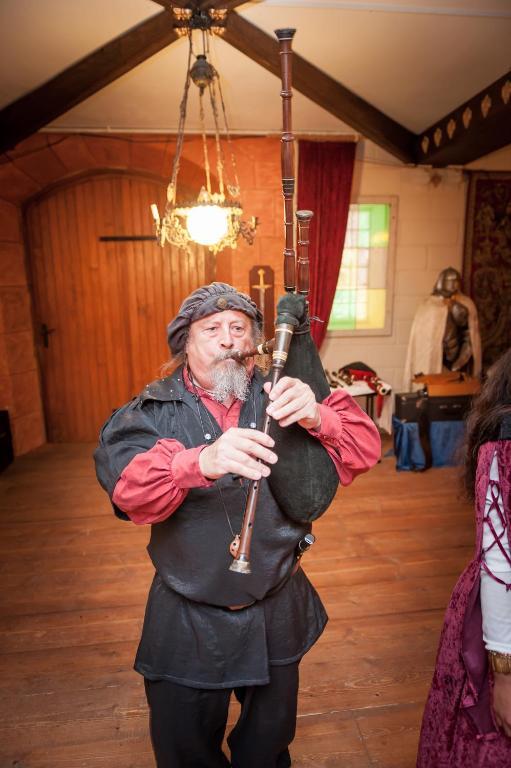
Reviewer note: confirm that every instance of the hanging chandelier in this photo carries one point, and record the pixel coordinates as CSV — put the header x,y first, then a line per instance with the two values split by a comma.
x,y
214,218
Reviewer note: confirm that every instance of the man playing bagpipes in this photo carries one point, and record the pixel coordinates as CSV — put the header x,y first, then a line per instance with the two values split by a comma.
x,y
167,459
195,455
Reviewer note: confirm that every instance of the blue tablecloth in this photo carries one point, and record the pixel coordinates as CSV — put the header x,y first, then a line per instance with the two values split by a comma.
x,y
446,438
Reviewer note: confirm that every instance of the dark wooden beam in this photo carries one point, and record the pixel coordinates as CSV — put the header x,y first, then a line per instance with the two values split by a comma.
x,y
322,89
26,115
479,126
229,5
201,5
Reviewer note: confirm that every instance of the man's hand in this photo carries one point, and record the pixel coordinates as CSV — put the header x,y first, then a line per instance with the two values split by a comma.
x,y
502,702
292,401
238,451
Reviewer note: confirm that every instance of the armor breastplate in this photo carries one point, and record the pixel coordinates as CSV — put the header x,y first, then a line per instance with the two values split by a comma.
x,y
456,334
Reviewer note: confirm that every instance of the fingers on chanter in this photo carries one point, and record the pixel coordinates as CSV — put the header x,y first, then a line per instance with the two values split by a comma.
x,y
256,436
259,452
280,387
251,469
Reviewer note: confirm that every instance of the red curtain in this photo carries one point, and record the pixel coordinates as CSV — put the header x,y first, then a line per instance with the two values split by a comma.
x,y
325,172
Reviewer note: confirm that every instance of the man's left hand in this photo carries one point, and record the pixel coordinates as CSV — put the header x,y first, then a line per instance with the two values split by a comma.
x,y
292,401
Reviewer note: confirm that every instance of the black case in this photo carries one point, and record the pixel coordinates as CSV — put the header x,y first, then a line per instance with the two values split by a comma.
x,y
410,405
453,408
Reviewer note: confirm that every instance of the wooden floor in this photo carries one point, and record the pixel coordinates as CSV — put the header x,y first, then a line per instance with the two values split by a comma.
x,y
74,586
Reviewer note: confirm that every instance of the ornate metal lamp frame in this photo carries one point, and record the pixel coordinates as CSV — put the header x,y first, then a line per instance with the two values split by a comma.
x,y
172,227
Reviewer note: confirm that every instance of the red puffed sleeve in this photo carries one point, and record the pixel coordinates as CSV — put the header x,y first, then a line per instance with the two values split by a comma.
x,y
155,482
349,435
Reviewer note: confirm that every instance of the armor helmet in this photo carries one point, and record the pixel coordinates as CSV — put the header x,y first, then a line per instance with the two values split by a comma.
x,y
448,283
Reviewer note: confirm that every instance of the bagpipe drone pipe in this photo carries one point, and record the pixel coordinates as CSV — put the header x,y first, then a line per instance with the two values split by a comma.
x,y
304,480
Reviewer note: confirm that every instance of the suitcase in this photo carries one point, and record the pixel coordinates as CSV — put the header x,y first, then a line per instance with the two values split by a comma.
x,y
410,406
453,408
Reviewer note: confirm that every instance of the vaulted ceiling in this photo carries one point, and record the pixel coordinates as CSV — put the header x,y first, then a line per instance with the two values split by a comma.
x,y
414,77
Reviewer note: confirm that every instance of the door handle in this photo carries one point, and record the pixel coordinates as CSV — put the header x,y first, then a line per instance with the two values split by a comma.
x,y
45,333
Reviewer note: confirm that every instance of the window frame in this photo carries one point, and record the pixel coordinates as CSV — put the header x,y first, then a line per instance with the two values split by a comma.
x,y
391,200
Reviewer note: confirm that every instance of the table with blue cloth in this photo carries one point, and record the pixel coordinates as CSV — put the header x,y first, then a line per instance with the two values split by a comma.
x,y
446,438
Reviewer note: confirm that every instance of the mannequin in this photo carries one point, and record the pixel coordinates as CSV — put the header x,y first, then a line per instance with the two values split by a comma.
x,y
445,332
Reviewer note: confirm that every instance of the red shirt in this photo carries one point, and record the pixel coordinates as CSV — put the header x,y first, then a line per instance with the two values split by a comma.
x,y
155,482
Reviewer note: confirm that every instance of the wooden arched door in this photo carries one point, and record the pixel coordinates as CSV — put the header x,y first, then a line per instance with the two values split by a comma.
x,y
101,308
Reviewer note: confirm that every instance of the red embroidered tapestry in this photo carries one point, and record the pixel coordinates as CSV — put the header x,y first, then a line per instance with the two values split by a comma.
x,y
487,259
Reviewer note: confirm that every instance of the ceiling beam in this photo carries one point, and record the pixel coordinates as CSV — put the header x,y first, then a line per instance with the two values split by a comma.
x,y
201,5
322,89
229,5
479,126
36,109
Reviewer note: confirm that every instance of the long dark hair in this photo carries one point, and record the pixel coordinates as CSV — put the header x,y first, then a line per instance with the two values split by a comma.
x,y
483,423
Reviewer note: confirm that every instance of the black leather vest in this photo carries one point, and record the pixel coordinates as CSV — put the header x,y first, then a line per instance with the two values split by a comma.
x,y
190,550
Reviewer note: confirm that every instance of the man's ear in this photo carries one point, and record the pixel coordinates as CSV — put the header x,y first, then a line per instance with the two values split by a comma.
x,y
185,346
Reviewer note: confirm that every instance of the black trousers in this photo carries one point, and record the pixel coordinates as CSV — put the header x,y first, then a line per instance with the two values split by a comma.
x,y
188,724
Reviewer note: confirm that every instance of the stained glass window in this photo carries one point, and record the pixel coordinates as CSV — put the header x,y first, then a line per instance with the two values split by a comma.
x,y
361,293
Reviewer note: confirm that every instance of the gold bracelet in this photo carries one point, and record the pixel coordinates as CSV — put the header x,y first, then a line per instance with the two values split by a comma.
x,y
500,662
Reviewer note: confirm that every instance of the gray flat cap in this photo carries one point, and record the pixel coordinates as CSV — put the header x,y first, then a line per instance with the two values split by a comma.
x,y
206,301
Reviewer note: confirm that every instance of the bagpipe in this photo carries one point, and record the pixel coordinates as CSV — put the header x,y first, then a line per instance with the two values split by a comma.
x,y
304,480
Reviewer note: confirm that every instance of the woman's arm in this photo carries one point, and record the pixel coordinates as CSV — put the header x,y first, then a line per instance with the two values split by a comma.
x,y
496,598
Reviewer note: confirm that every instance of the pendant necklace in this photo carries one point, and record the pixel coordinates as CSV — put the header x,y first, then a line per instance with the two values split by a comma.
x,y
210,438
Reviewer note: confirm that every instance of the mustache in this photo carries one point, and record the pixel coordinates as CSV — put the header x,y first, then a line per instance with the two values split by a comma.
x,y
231,354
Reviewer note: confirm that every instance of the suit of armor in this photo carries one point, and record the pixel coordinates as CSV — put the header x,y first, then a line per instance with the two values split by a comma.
x,y
456,343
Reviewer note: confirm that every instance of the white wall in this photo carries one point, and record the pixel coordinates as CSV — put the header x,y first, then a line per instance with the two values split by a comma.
x,y
429,237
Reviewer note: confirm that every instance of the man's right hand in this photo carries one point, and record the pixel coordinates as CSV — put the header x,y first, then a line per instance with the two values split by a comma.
x,y
240,452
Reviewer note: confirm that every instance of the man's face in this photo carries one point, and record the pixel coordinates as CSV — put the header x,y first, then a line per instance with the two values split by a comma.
x,y
212,339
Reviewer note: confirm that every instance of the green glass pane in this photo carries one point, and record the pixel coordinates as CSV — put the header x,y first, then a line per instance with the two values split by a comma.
x,y
363,238
338,325
364,218
379,214
361,296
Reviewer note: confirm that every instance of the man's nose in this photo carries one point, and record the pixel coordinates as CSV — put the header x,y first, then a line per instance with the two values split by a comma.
x,y
226,339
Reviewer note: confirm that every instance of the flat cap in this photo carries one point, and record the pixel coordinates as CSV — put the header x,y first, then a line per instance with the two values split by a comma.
x,y
205,301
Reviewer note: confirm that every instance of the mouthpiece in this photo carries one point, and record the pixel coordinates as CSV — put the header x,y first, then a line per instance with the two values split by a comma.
x,y
265,348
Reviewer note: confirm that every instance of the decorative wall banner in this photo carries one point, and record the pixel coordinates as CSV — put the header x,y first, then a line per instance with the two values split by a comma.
x,y
262,291
487,259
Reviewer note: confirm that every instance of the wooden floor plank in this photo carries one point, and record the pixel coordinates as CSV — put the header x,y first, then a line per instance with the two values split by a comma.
x,y
75,581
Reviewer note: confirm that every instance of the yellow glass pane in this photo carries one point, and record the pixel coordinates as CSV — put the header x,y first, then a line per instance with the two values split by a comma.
x,y
375,317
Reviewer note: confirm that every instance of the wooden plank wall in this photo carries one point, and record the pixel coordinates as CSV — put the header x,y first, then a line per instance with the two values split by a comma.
x,y
107,303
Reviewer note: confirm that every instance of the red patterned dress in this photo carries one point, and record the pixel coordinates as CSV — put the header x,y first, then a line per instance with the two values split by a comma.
x,y
458,730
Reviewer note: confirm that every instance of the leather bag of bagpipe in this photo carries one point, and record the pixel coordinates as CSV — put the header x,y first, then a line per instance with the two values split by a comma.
x,y
304,480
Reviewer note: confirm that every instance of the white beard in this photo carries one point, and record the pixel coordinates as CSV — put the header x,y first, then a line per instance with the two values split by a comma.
x,y
230,380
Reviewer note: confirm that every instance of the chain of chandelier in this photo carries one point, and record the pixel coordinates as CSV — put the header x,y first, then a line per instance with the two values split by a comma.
x,y
214,218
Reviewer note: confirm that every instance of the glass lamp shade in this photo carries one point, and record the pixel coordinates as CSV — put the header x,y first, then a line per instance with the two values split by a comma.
x,y
207,224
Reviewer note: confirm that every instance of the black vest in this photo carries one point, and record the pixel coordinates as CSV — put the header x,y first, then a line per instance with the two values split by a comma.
x,y
190,550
